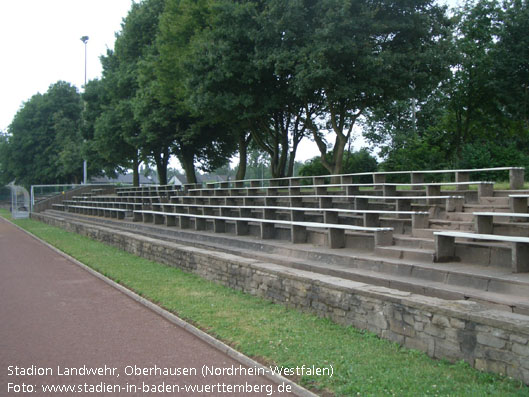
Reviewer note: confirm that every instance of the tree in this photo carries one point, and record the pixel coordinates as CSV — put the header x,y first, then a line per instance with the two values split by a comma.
x,y
511,61
197,138
238,80
45,141
355,162
6,175
105,149
475,118
363,54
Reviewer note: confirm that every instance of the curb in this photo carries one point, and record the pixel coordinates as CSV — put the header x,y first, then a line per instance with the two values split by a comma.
x,y
217,344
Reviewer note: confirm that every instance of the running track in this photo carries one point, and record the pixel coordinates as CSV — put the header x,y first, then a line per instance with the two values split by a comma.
x,y
54,315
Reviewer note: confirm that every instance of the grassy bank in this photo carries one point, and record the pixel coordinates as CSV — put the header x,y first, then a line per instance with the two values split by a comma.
x,y
363,364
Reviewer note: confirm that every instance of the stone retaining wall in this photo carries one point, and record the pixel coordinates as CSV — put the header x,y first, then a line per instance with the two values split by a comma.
x,y
487,339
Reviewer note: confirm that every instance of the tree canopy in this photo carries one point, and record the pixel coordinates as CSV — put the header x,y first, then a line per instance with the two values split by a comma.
x,y
44,143
203,80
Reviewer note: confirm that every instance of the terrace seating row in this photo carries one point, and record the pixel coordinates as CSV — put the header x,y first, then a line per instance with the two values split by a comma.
x,y
516,177
130,206
118,213
403,203
485,189
298,229
445,247
484,220
124,199
339,209
370,218
158,190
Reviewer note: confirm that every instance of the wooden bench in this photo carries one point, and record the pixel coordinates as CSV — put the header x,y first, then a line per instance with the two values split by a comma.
x,y
518,202
370,218
483,221
298,230
445,247
58,207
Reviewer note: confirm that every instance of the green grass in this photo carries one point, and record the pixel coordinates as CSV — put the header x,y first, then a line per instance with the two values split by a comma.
x,y
363,364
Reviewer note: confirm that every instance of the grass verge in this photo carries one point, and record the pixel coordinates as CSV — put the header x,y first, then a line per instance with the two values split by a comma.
x,y
363,364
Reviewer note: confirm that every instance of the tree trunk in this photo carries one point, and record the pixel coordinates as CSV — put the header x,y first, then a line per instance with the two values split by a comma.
x,y
162,162
135,172
187,161
243,155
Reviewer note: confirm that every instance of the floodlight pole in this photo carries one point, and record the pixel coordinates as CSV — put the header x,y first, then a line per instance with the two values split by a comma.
x,y
84,39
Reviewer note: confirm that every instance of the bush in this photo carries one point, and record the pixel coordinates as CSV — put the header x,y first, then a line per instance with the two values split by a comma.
x,y
355,162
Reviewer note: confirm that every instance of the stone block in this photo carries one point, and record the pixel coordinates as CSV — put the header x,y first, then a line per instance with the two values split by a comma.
x,y
486,189
416,344
378,321
267,230
520,257
420,221
518,339
434,330
447,350
457,323
516,178
441,321
298,234
490,340
518,204
401,328
383,238
392,336
521,350
483,224
371,219
444,248
336,238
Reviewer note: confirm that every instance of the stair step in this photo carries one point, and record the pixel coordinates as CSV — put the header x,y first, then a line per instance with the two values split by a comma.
x,y
506,193
407,253
453,280
444,224
494,201
413,242
485,208
460,216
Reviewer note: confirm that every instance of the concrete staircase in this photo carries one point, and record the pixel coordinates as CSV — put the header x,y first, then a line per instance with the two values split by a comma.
x,y
419,247
407,266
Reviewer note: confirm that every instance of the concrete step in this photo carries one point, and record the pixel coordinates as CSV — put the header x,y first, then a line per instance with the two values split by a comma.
x,y
494,201
443,224
424,233
413,242
460,216
485,208
495,287
506,193
406,253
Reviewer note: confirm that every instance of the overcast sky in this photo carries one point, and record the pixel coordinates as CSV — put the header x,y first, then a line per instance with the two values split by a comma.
x,y
40,44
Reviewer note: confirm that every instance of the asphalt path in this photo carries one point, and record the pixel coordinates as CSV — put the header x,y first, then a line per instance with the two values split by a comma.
x,y
61,326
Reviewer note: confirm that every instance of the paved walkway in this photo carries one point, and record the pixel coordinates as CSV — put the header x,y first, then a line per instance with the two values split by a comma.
x,y
58,322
